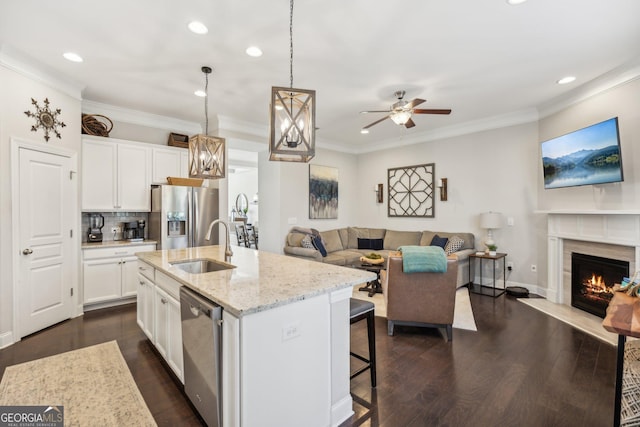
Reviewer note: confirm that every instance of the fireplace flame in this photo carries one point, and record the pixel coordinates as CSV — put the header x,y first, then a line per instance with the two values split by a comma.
x,y
597,285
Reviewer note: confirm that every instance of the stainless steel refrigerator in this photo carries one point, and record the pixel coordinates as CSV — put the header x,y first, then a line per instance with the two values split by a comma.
x,y
180,216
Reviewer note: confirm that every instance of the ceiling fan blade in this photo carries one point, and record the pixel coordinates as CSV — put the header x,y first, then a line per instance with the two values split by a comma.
x,y
374,111
414,102
431,111
409,124
376,122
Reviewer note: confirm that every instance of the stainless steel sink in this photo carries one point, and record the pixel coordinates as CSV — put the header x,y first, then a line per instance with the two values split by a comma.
x,y
198,266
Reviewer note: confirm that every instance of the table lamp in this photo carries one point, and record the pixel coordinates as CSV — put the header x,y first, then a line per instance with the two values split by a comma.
x,y
490,221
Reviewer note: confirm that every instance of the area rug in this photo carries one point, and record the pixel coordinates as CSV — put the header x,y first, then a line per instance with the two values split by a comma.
x,y
93,385
462,314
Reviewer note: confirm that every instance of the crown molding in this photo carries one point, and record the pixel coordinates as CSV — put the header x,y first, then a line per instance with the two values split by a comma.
x,y
31,69
141,118
489,123
226,123
617,77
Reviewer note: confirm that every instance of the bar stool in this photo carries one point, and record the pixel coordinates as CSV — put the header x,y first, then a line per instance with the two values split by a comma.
x,y
360,310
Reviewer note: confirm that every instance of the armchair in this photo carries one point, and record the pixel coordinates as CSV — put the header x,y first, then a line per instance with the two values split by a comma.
x,y
419,299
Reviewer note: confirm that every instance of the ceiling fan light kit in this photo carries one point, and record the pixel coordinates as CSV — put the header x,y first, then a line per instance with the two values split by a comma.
x,y
292,117
401,112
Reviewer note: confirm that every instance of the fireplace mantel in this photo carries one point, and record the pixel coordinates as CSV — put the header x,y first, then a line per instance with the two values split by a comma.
x,y
609,227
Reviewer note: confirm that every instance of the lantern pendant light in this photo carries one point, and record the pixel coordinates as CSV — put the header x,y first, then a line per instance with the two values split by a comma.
x,y
292,117
206,153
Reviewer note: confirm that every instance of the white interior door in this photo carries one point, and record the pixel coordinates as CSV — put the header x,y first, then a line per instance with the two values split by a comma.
x,y
45,220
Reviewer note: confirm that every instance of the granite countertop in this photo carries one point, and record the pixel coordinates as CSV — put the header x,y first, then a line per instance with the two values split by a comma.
x,y
115,243
260,280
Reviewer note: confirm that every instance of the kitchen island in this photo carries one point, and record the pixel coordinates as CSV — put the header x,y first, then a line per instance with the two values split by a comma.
x,y
285,332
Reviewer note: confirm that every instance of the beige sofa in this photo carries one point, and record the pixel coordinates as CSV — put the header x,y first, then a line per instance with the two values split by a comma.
x,y
342,245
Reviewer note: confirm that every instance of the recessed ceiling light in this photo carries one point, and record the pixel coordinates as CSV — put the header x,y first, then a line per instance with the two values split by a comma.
x,y
200,93
254,51
364,131
515,2
198,27
565,80
73,57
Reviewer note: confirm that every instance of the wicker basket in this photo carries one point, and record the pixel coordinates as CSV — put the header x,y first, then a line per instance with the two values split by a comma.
x,y
191,182
96,124
178,140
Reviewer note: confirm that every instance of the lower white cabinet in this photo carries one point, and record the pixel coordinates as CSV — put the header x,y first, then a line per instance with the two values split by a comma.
x,y
145,306
158,314
110,274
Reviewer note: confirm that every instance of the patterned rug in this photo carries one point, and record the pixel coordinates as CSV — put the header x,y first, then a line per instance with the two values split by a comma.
x,y
92,384
462,315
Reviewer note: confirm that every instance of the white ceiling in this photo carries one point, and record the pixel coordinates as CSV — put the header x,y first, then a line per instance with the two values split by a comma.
x,y
481,58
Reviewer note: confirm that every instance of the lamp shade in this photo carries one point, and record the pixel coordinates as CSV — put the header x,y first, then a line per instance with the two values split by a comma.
x,y
491,220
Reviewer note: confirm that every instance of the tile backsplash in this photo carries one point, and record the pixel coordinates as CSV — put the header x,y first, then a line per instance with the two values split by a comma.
x,y
114,219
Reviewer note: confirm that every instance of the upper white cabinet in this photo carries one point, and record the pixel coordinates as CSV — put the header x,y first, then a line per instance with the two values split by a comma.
x,y
115,176
168,161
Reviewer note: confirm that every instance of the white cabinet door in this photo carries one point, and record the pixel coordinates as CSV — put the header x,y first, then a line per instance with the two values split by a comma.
x,y
174,356
129,276
161,320
184,164
166,162
134,190
145,306
98,176
101,279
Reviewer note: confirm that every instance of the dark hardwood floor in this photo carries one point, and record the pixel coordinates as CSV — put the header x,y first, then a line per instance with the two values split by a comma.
x,y
522,368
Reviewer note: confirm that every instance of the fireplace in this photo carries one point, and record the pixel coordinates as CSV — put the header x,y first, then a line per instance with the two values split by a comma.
x,y
592,278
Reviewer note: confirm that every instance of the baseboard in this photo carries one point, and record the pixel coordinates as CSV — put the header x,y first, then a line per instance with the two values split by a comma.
x,y
341,411
6,339
115,303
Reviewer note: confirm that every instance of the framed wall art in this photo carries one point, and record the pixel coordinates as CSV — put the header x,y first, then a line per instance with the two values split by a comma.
x,y
323,192
411,191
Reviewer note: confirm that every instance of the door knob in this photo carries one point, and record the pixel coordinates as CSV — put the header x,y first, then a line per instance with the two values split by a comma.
x,y
27,251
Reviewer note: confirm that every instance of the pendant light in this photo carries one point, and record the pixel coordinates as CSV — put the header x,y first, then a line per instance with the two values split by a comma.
x,y
292,135
206,153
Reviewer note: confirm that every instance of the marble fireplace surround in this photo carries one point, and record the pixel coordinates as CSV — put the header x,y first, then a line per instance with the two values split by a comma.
x,y
609,234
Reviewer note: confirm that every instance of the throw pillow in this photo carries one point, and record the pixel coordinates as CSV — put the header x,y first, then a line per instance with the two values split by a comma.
x,y
364,243
317,243
453,245
377,244
439,241
306,242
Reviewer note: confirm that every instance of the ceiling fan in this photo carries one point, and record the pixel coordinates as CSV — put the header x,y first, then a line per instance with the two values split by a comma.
x,y
401,111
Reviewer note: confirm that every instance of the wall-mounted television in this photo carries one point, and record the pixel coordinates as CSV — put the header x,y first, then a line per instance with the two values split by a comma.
x,y
584,157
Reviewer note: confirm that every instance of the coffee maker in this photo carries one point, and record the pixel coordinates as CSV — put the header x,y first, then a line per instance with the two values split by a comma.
x,y
96,222
134,230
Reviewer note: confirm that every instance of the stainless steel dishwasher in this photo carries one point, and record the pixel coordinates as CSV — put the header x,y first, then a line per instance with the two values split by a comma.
x,y
202,350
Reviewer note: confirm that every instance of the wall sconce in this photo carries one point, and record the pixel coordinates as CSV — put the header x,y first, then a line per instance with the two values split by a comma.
x,y
442,185
379,195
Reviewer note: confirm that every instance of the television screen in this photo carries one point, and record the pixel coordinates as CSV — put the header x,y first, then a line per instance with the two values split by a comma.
x,y
583,157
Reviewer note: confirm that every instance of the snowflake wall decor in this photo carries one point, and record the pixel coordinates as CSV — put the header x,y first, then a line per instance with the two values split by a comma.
x,y
45,119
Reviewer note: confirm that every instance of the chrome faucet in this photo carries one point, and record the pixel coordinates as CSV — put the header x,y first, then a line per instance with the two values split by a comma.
x,y
227,249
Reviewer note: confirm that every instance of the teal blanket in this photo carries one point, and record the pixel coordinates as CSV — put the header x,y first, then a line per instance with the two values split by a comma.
x,y
423,259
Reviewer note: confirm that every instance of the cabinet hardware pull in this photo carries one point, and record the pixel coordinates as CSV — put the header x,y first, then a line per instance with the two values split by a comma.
x,y
27,251
120,253
164,301
141,282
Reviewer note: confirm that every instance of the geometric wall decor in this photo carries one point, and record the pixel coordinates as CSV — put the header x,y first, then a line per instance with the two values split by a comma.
x,y
45,119
411,191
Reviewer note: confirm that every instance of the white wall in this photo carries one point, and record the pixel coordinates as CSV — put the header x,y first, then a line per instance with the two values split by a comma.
x,y
245,182
493,170
622,101
284,196
17,91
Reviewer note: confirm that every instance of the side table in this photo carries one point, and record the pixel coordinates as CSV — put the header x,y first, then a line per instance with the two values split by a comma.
x,y
374,286
623,318
480,288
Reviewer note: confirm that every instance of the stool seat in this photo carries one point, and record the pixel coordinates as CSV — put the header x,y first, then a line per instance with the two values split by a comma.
x,y
358,307
359,310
